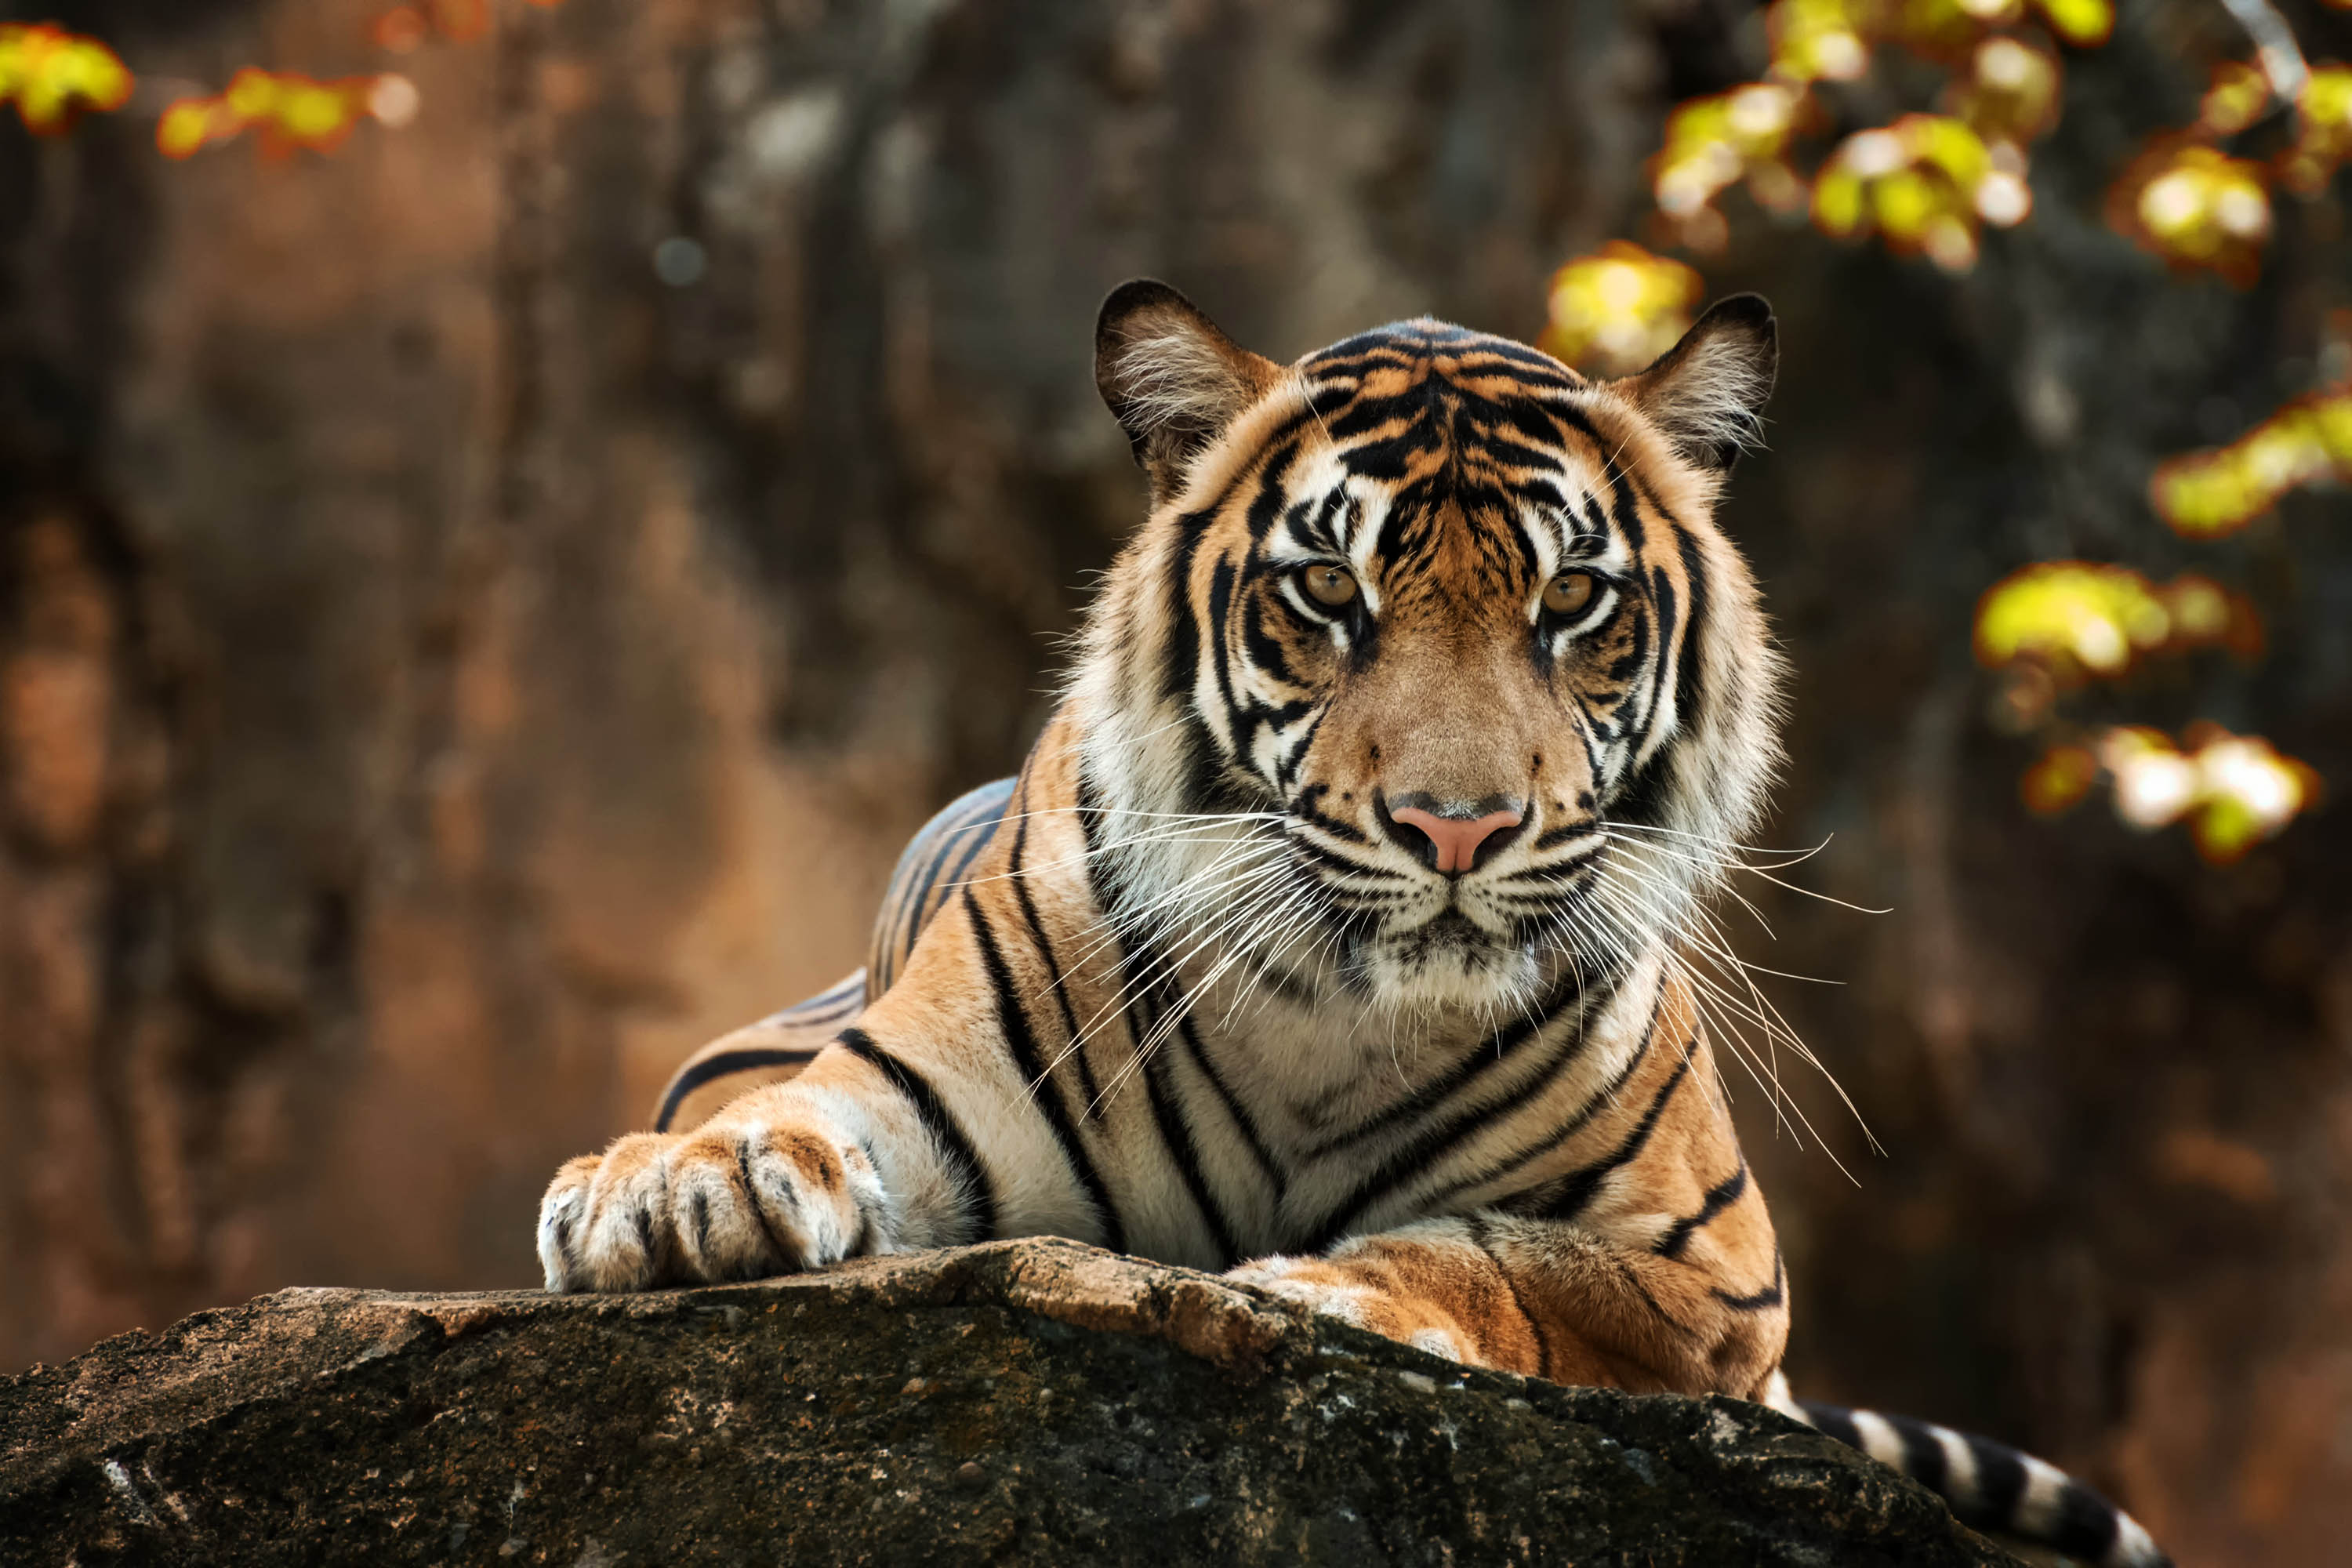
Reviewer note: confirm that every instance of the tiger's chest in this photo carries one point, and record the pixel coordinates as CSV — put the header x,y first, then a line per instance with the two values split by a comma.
x,y
1297,1123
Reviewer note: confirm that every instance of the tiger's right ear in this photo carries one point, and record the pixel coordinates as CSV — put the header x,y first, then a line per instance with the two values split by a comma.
x,y
1170,378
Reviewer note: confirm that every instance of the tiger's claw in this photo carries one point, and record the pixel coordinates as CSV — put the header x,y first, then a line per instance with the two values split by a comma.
x,y
719,1203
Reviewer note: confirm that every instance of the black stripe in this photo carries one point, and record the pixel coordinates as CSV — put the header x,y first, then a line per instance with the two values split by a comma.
x,y
979,1191
2001,1478
1496,1050
1013,1021
1624,511
1690,660
1530,365
1424,1152
1277,716
1633,1276
1670,653
1389,458
1221,598
719,1066
1045,947
2086,1526
908,924
1637,651
1175,1132
1182,666
1204,769
1265,650
1923,1456
978,831
1596,522
1528,556
1346,863
1346,362
1287,764
799,1015
1719,1197
1279,452
1588,735
1089,818
1764,1301
1352,426
848,990
978,824
1481,1230
978,834
1835,1421
1577,1188
1494,447
1275,1175
1317,523
1605,1099
1643,800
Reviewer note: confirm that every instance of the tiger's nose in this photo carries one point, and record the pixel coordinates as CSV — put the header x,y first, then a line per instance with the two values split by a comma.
x,y
1455,834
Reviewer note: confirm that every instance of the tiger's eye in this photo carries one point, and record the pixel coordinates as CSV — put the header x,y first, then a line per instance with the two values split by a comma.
x,y
1568,593
1329,585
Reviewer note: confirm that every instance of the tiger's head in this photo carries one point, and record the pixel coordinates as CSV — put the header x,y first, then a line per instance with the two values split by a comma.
x,y
1431,678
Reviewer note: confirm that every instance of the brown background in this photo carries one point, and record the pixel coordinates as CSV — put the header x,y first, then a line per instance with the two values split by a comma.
x,y
446,673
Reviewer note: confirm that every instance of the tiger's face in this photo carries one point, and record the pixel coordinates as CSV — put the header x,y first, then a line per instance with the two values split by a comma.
x,y
1451,624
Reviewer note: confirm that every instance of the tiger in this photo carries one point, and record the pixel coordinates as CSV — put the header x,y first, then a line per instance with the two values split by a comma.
x,y
1332,934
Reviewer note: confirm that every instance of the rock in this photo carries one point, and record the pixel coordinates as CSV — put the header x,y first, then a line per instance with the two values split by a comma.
x,y
1035,1401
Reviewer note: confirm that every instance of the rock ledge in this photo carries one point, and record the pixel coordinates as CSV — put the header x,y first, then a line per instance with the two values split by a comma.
x,y
1034,1402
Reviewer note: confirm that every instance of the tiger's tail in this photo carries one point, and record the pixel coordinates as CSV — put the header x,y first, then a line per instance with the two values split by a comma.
x,y
1988,1485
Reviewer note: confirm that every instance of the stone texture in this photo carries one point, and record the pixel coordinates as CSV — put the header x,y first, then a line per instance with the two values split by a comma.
x,y
448,673
1032,1402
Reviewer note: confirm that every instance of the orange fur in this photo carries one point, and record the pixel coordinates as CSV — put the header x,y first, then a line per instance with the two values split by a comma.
x,y
1216,981
1013,1072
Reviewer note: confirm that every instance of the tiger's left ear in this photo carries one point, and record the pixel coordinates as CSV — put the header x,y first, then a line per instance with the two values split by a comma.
x,y
1171,379
1707,392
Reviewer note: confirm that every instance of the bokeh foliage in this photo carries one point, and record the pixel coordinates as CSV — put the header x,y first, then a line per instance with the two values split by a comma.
x,y
1928,184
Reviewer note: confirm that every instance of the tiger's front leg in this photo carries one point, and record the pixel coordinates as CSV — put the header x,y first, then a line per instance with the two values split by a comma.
x,y
1548,1299
789,1178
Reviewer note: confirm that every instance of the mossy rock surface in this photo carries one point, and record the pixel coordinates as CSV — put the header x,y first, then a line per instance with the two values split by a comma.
x,y
1028,1402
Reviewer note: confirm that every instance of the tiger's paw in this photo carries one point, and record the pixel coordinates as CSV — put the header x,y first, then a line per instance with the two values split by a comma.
x,y
718,1204
1313,1284
1333,1289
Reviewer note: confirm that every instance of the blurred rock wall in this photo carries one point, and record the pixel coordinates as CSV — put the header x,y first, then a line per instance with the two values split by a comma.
x,y
479,612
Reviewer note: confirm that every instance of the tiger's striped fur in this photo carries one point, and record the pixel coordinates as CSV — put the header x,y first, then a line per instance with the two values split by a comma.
x,y
1329,934
932,869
